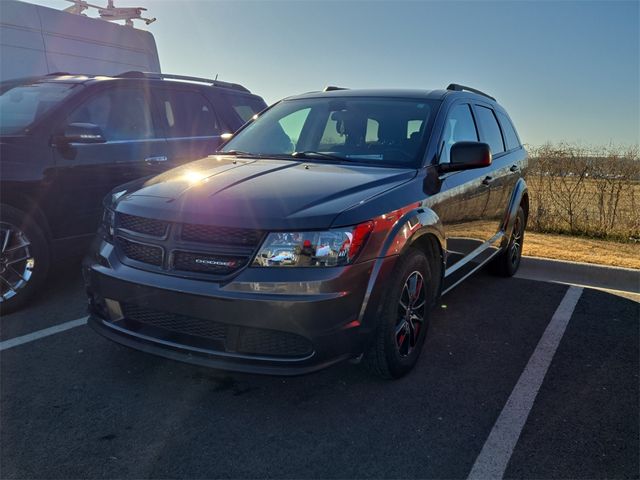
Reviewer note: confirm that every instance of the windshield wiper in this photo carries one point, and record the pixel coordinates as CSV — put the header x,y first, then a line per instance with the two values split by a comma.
x,y
236,153
312,154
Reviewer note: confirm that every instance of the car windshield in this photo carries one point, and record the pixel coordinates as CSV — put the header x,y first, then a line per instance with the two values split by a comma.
x,y
385,131
22,105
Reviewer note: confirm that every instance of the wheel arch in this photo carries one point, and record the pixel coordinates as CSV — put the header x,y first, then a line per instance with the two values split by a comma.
x,y
419,228
25,203
519,197
432,246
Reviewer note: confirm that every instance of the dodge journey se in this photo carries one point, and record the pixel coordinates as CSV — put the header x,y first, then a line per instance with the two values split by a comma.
x,y
323,230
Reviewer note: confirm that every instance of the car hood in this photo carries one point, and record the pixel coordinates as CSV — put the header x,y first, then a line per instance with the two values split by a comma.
x,y
263,194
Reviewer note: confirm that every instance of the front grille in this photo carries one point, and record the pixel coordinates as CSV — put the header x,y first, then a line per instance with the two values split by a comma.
x,y
175,323
259,341
250,341
206,263
220,235
184,248
146,226
141,252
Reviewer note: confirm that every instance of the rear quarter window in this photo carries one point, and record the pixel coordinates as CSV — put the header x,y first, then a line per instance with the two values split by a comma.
x,y
245,106
510,135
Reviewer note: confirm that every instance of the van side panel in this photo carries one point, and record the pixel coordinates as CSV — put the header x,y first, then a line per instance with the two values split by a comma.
x,y
36,40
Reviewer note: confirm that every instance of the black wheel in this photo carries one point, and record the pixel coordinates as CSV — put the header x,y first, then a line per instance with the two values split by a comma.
x,y
507,262
403,320
24,258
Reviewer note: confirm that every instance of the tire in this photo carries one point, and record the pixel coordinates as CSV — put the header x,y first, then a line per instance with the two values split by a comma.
x,y
507,262
20,279
391,355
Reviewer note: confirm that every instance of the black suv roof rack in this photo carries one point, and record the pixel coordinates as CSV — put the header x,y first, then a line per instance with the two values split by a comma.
x,y
459,88
331,88
169,76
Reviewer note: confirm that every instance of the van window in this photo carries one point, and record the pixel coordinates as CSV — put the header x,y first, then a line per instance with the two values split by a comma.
x,y
490,129
510,135
121,113
460,127
187,114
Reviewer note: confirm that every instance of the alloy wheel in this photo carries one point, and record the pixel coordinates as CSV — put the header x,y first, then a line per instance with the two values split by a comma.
x,y
411,310
516,241
16,261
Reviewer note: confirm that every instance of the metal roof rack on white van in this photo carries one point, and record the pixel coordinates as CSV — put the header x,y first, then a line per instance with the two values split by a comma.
x,y
111,12
169,76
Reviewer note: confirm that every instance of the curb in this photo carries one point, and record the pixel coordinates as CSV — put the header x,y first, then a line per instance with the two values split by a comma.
x,y
578,273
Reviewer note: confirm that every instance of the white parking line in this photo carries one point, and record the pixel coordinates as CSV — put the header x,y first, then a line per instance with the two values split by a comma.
x,y
496,452
30,337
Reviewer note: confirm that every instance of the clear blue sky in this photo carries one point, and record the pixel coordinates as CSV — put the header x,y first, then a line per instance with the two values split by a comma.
x,y
564,70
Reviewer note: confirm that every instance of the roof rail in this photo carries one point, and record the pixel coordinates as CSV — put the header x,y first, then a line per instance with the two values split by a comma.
x,y
331,88
169,76
460,88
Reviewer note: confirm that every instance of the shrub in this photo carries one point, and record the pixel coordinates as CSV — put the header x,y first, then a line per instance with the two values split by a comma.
x,y
593,192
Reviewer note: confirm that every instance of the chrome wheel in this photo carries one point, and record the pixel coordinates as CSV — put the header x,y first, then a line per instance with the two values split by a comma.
x,y
411,311
16,261
516,241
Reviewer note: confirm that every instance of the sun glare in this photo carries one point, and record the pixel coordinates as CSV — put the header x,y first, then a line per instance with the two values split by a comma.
x,y
193,176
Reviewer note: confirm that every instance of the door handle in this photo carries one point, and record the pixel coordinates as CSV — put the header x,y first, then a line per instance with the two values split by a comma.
x,y
487,180
158,159
514,168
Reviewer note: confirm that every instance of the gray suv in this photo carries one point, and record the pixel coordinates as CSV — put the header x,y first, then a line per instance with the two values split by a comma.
x,y
324,230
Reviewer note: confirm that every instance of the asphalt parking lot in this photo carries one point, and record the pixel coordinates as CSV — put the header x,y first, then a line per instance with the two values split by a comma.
x,y
74,405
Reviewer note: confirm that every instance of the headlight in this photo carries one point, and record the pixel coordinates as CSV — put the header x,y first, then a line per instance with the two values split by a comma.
x,y
328,248
107,224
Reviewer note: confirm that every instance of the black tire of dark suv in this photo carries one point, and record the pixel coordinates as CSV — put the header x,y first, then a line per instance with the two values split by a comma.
x,y
24,258
396,345
507,262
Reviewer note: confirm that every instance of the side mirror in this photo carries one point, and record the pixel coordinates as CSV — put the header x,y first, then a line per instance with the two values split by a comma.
x,y
467,155
83,133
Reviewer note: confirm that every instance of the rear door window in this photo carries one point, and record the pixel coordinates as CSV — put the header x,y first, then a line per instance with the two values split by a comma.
x,y
490,129
186,113
510,135
121,113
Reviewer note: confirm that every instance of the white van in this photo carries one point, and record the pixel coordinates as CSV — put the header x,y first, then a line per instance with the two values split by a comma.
x,y
36,40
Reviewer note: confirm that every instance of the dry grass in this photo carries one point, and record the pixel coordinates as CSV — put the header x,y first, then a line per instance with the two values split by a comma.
x,y
580,249
585,192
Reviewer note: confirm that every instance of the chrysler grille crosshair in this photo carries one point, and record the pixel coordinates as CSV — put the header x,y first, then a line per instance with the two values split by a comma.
x,y
160,245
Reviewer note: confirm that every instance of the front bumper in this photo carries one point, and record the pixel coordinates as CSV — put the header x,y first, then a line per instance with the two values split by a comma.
x,y
282,321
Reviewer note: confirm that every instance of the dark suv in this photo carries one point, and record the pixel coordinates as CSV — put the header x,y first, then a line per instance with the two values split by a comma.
x,y
67,140
324,230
